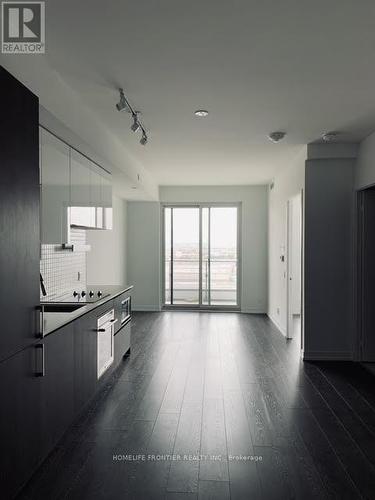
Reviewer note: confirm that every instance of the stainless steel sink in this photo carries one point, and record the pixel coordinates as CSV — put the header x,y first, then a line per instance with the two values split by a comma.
x,y
61,308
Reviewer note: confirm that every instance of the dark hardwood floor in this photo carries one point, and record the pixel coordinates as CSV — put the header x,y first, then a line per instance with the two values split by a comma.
x,y
230,411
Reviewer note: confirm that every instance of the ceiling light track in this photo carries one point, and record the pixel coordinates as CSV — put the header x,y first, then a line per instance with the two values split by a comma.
x,y
124,105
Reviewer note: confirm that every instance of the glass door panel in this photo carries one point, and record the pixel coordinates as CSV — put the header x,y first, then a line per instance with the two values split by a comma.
x,y
205,255
223,256
201,256
185,255
167,254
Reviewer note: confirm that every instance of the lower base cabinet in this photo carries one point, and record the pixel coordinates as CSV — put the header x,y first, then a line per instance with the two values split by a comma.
x,y
122,343
85,360
44,388
20,421
57,386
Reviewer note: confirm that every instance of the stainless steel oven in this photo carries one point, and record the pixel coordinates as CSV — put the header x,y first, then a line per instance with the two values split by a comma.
x,y
125,312
105,343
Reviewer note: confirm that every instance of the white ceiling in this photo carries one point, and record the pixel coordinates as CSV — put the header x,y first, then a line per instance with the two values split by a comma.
x,y
301,66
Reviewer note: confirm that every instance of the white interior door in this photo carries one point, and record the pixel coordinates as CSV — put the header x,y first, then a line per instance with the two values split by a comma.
x,y
294,266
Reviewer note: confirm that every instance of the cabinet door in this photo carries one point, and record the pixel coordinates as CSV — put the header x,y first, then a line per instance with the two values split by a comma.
x,y
101,198
106,200
85,360
57,409
19,215
122,343
82,213
20,425
96,197
55,189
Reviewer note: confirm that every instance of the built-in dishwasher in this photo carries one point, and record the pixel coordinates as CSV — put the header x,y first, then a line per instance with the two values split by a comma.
x,y
105,334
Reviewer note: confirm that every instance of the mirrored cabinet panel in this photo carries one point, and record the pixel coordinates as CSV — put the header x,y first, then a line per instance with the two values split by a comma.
x,y
75,192
82,213
55,188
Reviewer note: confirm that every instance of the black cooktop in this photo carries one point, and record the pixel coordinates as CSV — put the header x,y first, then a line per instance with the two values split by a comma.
x,y
89,296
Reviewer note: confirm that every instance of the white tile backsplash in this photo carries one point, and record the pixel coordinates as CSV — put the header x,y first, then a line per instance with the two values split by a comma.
x,y
63,270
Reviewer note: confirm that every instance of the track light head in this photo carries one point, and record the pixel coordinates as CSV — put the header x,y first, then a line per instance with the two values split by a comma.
x,y
135,125
122,104
144,139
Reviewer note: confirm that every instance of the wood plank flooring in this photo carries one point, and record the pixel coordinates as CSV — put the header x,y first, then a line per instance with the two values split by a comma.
x,y
218,405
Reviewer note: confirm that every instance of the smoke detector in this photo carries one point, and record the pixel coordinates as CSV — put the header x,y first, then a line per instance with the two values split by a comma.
x,y
276,136
330,136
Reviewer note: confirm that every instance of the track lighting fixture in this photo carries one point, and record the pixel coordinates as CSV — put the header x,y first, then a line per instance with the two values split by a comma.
x,y
135,126
144,139
124,105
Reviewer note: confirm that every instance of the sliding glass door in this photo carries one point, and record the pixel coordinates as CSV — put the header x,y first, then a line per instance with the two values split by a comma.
x,y
201,256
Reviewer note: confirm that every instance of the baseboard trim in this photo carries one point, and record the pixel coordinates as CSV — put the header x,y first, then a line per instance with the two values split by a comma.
x,y
146,308
253,311
327,356
278,326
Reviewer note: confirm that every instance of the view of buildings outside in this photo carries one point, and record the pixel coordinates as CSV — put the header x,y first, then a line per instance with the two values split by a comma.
x,y
219,272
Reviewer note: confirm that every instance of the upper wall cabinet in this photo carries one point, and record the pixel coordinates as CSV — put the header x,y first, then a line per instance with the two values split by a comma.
x,y
91,194
55,188
82,214
75,191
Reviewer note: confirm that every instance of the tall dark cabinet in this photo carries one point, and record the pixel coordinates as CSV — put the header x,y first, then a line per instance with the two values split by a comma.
x,y
19,215
20,388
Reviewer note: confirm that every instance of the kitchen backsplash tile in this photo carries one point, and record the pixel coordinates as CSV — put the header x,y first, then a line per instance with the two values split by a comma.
x,y
63,270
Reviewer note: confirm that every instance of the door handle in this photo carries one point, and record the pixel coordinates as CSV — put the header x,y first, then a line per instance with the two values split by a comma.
x,y
39,321
39,361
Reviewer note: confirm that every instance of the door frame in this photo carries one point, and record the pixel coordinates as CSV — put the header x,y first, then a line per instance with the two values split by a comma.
x,y
200,306
289,257
359,271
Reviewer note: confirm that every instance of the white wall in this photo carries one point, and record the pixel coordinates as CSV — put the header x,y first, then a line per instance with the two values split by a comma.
x,y
254,233
106,262
143,254
287,184
365,168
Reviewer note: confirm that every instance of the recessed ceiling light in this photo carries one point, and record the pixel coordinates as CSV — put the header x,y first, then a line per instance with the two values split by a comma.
x,y
276,136
201,112
330,136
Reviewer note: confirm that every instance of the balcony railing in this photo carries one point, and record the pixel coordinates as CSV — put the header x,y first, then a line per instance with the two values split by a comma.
x,y
219,281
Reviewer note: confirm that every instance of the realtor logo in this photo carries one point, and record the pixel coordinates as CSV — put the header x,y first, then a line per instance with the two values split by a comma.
x,y
23,28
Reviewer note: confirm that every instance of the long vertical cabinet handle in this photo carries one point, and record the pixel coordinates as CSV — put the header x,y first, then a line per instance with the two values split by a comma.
x,y
39,321
39,361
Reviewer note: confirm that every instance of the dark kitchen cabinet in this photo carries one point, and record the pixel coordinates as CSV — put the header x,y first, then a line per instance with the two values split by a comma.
x,y
19,215
85,360
122,343
57,386
20,420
